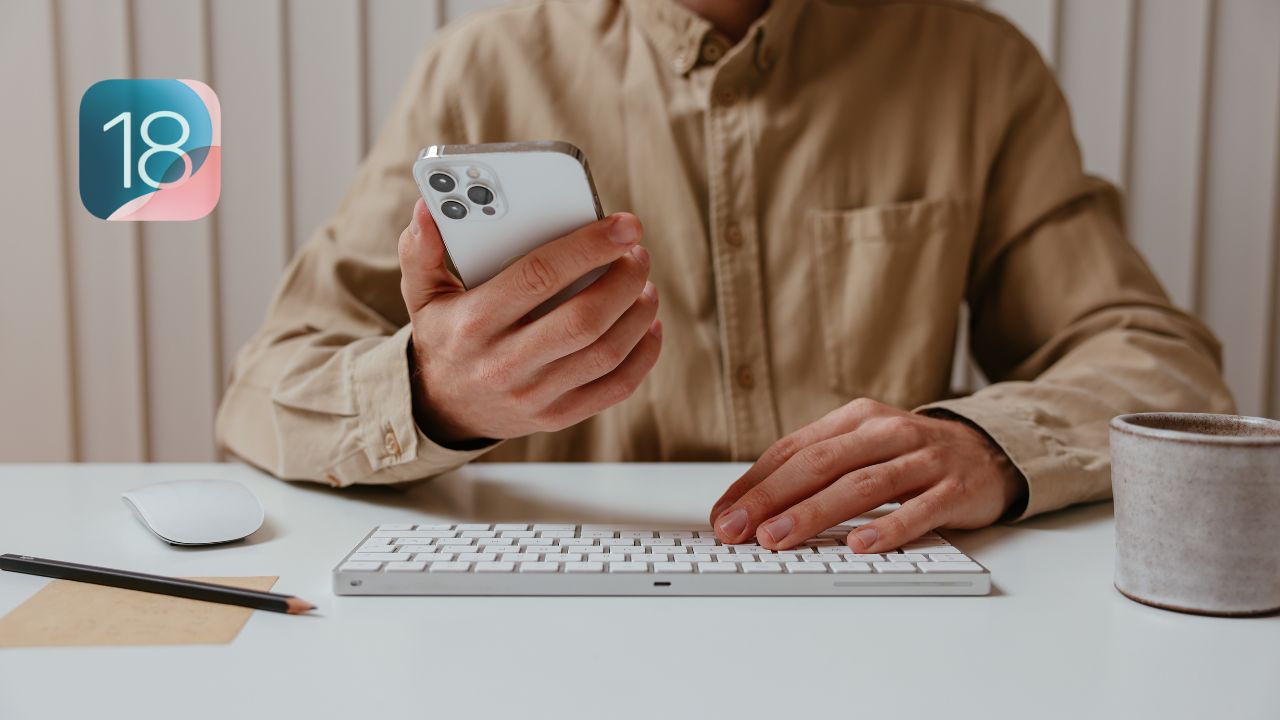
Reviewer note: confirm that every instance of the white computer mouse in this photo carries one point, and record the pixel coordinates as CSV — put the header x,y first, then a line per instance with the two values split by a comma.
x,y
196,512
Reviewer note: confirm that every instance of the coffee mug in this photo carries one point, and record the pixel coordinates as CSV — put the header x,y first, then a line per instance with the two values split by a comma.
x,y
1197,505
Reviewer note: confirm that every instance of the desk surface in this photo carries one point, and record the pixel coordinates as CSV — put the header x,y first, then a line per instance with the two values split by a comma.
x,y
1053,640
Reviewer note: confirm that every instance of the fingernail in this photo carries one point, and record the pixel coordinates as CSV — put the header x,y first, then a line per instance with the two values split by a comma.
x,y
866,536
651,290
639,253
623,230
777,530
732,525
414,230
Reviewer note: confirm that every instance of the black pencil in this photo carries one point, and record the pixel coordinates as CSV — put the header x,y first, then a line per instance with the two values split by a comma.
x,y
177,587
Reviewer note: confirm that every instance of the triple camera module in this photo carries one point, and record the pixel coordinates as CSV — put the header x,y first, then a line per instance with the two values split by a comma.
x,y
477,194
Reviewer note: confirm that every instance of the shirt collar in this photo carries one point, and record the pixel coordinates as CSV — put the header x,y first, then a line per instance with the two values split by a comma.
x,y
681,35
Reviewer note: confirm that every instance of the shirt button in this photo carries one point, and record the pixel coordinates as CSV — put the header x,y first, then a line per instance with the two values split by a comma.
x,y
733,235
712,50
392,445
746,379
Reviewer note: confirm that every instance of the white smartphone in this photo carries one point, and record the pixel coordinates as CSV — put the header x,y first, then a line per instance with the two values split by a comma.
x,y
496,202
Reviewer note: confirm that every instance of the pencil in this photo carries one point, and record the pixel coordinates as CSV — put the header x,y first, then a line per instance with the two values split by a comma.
x,y
178,587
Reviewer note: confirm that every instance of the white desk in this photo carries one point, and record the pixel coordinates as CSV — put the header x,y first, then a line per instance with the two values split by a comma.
x,y
1054,640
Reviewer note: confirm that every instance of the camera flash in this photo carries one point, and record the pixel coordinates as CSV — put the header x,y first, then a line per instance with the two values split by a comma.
x,y
473,173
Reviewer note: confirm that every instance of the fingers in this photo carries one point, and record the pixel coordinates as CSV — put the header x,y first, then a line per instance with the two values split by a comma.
x,y
536,277
808,472
925,512
423,272
586,317
849,496
581,403
841,420
606,354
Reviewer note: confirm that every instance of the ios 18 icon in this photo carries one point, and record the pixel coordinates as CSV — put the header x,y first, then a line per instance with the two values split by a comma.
x,y
150,149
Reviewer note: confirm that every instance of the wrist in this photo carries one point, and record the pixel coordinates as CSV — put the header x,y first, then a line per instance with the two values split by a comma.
x,y
1012,484
429,421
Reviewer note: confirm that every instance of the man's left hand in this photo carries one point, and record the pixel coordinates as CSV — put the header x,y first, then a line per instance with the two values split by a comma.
x,y
945,473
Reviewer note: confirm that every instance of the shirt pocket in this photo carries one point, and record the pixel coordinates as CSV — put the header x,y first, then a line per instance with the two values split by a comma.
x,y
889,281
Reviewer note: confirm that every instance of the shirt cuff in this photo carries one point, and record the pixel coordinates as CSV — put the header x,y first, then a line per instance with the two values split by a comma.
x,y
1054,480
393,449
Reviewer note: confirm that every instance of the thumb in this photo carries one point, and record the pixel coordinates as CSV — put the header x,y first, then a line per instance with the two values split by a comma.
x,y
423,272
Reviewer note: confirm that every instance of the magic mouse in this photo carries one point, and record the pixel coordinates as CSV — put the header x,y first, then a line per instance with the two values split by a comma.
x,y
196,512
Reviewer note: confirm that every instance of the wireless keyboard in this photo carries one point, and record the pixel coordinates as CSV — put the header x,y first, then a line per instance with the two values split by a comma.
x,y
555,559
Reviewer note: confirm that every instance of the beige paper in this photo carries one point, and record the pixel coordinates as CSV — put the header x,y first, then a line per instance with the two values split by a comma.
x,y
68,613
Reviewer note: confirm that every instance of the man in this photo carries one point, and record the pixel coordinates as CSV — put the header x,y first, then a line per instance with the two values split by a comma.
x,y
822,185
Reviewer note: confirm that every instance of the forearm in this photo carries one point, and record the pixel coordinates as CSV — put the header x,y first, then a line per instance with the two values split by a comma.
x,y
313,407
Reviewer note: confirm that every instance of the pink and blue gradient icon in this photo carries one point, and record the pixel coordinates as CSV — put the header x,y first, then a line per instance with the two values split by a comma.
x,y
150,149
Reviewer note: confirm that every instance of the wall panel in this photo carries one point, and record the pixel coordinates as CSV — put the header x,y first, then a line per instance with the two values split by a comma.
x,y
1237,269
36,388
1166,156
108,292
396,32
1094,69
179,262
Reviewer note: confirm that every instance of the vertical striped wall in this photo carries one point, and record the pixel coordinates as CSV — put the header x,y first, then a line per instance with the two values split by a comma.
x,y
115,338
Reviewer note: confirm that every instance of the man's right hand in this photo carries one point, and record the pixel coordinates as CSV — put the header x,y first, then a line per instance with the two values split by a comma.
x,y
483,370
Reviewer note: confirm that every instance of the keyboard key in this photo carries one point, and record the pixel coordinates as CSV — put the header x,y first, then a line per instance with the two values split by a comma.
x,y
894,567
584,567
850,567
672,567
495,542
477,557
929,549
810,557
435,557
474,526
520,557
806,567
450,567
555,527
761,567
550,549
510,526
714,549
538,567
783,558
675,534
698,541
628,567
575,542
717,568
607,557
563,557
705,533
736,558
854,557
556,533
359,566
533,541
697,558
411,541
456,541
518,533
371,547
406,566
495,567
656,557
597,534
651,542
949,567
414,534
374,557
673,549
833,549
478,533
436,526
395,526
618,542
905,557
950,557
749,549
638,534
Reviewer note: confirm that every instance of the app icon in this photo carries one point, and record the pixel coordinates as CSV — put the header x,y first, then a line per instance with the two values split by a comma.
x,y
150,149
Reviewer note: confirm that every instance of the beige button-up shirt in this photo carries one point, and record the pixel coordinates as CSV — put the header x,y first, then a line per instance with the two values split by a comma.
x,y
819,201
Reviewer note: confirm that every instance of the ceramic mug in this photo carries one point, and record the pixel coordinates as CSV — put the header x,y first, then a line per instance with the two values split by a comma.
x,y
1197,505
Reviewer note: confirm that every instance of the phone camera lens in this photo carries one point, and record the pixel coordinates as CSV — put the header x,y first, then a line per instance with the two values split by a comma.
x,y
453,209
480,194
441,182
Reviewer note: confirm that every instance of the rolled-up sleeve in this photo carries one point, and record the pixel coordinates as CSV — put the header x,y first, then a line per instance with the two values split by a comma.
x,y
1067,320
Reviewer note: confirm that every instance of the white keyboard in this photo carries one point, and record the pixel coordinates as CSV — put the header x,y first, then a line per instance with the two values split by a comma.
x,y
555,559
